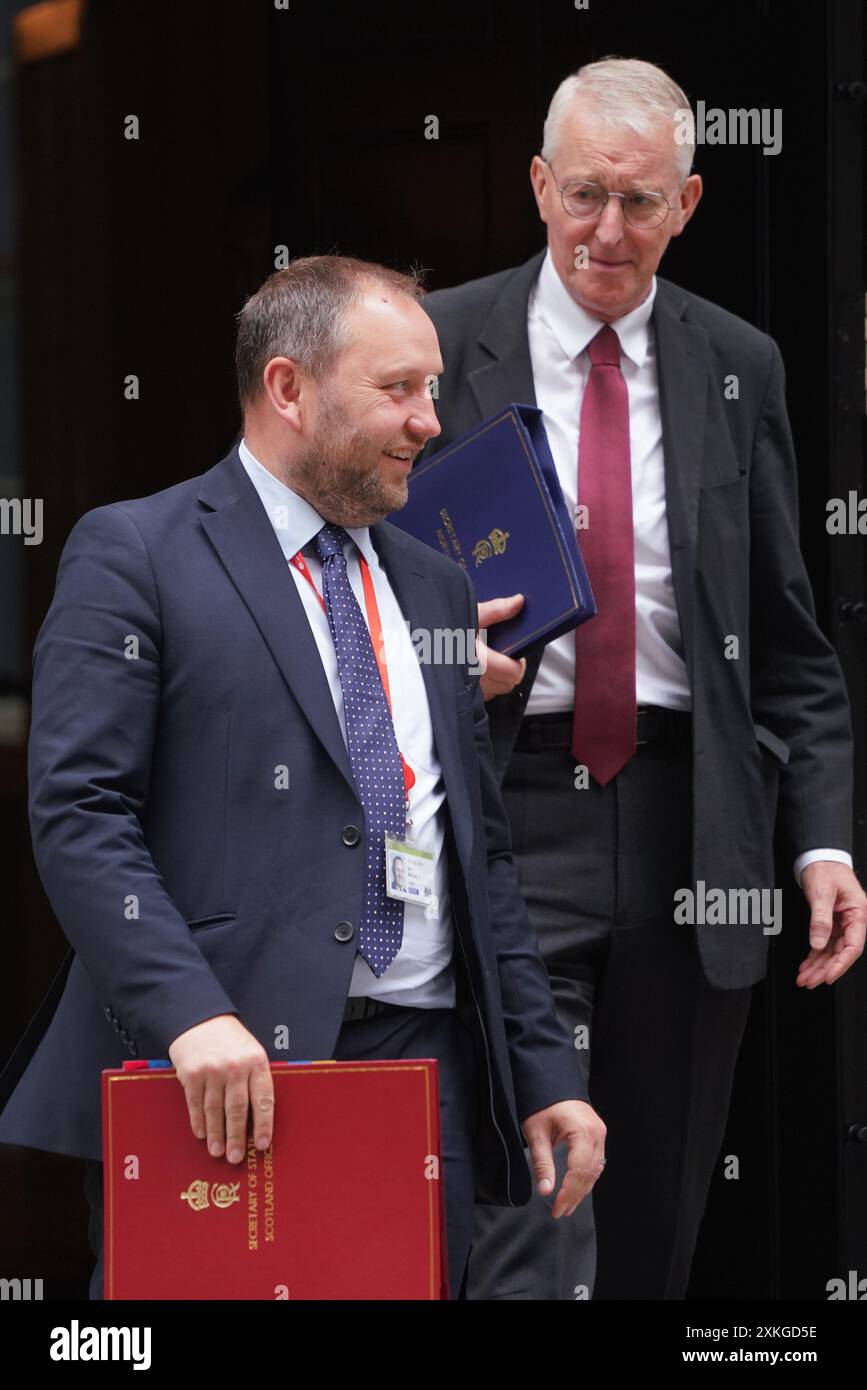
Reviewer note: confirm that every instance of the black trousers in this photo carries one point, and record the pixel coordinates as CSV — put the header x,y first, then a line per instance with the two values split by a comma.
x,y
599,868
405,1033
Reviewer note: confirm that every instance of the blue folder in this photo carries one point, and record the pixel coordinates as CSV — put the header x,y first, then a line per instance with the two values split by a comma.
x,y
492,501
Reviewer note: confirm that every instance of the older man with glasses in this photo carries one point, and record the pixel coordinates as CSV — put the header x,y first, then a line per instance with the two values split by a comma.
x,y
648,756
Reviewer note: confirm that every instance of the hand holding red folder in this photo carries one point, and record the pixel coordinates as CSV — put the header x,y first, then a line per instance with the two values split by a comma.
x,y
225,1073
347,1203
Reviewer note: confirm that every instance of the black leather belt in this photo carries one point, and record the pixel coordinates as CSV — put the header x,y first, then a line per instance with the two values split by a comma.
x,y
653,725
359,1006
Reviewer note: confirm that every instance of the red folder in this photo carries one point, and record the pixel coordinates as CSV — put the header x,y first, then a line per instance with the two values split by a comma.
x,y
347,1203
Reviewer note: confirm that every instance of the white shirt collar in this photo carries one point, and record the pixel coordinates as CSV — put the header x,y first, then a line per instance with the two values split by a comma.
x,y
295,522
573,327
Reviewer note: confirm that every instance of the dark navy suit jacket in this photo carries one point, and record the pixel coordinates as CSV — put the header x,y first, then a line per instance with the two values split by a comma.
x,y
174,674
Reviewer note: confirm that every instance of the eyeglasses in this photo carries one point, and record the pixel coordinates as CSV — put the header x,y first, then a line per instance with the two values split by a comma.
x,y
585,201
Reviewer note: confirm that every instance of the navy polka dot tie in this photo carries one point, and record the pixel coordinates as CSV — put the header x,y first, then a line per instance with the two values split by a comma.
x,y
373,751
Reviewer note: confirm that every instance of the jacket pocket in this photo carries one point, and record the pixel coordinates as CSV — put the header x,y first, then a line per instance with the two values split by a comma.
x,y
218,919
727,492
773,744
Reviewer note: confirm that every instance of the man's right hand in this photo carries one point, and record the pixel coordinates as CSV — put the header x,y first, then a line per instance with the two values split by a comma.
x,y
501,673
224,1071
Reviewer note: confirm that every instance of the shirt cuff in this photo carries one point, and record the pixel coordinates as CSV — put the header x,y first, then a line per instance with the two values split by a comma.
x,y
811,856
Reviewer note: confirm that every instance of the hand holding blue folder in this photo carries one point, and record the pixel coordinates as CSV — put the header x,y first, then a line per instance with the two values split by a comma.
x,y
492,501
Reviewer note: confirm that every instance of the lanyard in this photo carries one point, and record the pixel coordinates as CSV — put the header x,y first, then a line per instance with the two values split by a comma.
x,y
375,625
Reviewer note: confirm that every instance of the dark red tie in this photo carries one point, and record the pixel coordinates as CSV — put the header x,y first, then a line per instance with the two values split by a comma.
x,y
603,727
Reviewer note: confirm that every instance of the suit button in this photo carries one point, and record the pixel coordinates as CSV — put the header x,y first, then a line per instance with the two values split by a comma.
x,y
350,835
344,931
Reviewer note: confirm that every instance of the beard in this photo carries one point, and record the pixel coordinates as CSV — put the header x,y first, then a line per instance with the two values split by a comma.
x,y
341,472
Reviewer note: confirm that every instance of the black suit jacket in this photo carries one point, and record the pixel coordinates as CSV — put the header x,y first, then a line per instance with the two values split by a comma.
x,y
771,729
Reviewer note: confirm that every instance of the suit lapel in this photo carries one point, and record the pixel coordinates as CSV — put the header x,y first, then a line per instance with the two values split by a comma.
x,y
509,375
240,531
417,592
682,372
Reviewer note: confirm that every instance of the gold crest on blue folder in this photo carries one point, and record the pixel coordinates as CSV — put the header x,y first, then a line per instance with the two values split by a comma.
x,y
491,501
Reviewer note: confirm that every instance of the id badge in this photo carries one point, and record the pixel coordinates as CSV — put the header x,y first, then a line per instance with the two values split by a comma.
x,y
410,874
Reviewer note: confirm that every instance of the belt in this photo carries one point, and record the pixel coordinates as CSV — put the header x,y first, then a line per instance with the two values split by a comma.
x,y
359,1007
653,725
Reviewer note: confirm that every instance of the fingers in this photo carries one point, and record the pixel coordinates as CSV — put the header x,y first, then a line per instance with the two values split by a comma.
x,y
573,1189
841,963
824,967
237,1104
195,1094
497,610
219,1110
262,1104
838,955
585,1165
502,673
584,1131
225,1073
215,1115
807,968
812,971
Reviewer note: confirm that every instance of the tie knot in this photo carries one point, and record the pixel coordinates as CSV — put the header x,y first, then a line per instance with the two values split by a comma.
x,y
604,349
330,541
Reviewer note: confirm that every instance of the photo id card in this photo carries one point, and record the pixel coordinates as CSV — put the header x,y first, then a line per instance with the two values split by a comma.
x,y
409,873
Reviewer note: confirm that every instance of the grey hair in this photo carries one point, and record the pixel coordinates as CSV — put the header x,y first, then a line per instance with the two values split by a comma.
x,y
626,94
302,312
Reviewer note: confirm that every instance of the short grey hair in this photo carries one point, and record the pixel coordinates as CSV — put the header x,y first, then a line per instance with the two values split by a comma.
x,y
302,312
626,94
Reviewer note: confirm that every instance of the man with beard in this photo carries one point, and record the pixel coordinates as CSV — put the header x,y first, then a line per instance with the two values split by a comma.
x,y
217,736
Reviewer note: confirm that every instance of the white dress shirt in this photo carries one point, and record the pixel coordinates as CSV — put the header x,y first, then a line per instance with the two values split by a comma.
x,y
422,973
559,331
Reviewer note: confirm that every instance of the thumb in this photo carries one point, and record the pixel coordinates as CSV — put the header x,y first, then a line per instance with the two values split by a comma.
x,y
497,610
543,1163
821,919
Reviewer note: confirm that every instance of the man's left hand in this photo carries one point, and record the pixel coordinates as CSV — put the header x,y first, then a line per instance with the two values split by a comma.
x,y
838,921
577,1123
